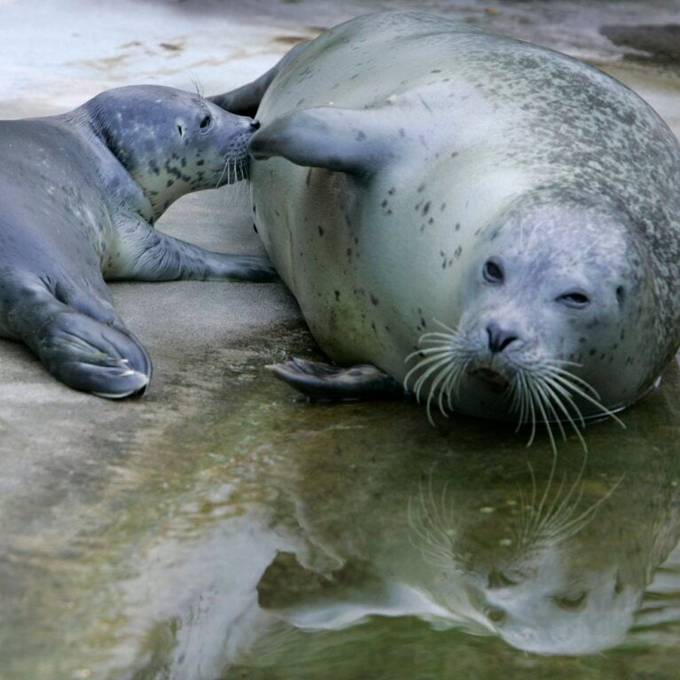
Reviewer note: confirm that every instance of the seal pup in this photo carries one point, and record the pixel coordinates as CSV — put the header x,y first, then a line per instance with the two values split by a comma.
x,y
487,223
81,193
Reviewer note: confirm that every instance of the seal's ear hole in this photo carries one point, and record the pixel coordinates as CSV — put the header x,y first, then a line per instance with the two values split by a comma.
x,y
493,271
180,129
621,294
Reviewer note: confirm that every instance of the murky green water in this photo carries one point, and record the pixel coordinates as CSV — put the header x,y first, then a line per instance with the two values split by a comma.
x,y
271,538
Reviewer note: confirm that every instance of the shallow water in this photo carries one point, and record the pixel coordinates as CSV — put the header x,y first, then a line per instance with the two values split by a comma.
x,y
271,538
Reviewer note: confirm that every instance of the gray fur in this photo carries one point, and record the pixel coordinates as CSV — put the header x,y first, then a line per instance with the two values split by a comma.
x,y
475,146
81,192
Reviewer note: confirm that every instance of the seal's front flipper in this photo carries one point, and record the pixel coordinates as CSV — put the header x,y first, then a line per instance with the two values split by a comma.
x,y
149,255
354,141
245,100
79,350
324,382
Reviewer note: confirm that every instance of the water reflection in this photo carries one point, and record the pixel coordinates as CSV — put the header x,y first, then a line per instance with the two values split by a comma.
x,y
268,538
551,555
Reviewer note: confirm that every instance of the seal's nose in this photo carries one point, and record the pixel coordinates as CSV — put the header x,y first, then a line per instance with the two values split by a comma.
x,y
499,338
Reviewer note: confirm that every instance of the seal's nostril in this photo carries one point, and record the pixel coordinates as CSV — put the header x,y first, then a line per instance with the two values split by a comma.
x,y
499,338
255,125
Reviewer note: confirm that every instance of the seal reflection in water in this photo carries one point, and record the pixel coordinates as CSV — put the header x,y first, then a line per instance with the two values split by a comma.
x,y
81,192
486,223
552,554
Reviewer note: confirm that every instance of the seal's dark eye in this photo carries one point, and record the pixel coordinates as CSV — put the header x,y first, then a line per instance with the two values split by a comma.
x,y
493,272
180,129
575,299
571,602
205,123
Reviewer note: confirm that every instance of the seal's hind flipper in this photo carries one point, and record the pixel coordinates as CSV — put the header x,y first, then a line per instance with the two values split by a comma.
x,y
245,100
325,382
80,350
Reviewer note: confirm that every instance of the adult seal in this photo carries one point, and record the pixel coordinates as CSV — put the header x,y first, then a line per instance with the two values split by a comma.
x,y
81,192
494,225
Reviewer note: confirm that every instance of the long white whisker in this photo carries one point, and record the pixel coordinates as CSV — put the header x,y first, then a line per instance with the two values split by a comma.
x,y
560,405
574,388
423,378
420,365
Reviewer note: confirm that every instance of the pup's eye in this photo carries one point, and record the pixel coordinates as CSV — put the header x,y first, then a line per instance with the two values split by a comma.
x,y
493,272
575,299
180,129
205,123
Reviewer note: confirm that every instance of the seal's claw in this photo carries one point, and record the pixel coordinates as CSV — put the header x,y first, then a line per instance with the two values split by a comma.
x,y
325,382
90,356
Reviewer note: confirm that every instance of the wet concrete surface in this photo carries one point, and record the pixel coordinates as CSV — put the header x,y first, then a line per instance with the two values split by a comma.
x,y
220,528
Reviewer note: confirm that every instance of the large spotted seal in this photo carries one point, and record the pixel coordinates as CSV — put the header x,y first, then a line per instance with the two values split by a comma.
x,y
80,194
490,223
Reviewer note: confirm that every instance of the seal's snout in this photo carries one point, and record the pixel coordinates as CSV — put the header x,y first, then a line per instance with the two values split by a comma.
x,y
500,338
255,125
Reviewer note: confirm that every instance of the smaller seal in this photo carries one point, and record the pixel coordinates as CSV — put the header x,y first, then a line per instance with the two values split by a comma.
x,y
81,193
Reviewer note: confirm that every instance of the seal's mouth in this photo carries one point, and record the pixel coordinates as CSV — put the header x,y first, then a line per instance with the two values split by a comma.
x,y
495,380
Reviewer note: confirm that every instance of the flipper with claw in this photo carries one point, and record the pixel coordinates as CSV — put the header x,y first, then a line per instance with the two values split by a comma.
x,y
325,382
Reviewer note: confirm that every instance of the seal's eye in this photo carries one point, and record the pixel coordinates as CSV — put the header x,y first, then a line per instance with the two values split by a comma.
x,y
493,272
571,602
575,299
205,123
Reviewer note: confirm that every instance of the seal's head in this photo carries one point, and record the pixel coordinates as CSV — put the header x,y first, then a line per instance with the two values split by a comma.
x,y
556,318
172,142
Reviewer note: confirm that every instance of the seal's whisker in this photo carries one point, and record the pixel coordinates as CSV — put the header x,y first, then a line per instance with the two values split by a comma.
x,y
564,393
563,510
560,362
421,364
555,370
443,392
564,380
425,352
423,378
532,409
453,332
550,408
221,177
454,387
538,517
433,388
448,337
576,524
560,405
